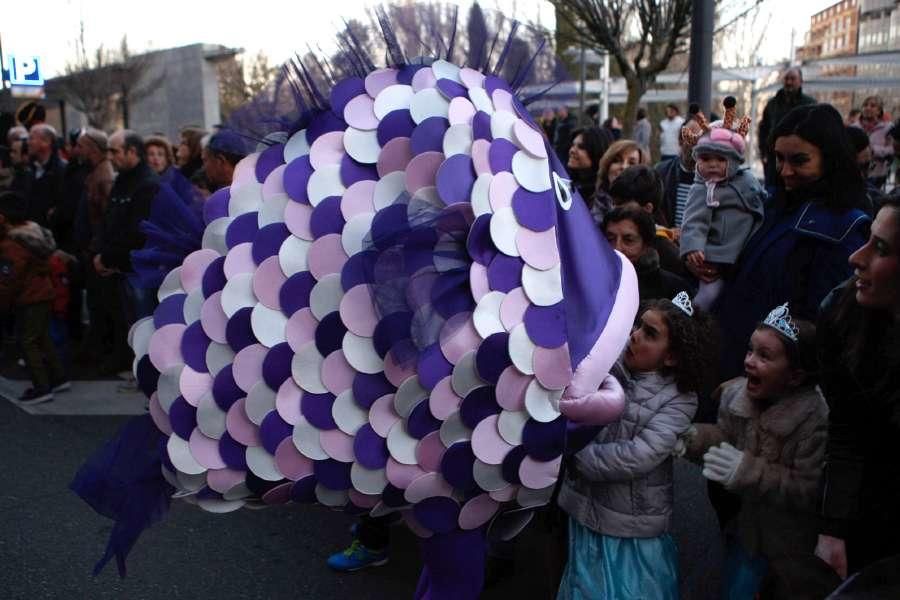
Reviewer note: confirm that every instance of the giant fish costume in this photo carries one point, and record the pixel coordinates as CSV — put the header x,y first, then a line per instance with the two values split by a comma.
x,y
386,311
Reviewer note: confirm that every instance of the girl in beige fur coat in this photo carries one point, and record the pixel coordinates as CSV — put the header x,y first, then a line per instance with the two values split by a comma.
x,y
768,446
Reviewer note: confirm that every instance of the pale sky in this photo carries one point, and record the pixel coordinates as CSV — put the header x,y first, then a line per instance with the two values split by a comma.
x,y
277,27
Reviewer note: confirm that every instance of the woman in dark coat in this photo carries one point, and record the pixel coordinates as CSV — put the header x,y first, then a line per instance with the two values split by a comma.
x,y
188,154
859,348
810,229
588,147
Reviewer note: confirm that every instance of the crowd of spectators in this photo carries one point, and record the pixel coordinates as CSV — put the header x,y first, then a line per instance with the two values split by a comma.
x,y
69,290
823,248
801,481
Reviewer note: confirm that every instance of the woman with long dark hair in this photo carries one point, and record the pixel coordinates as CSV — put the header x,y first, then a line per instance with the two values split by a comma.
x,y
859,349
189,150
588,147
811,227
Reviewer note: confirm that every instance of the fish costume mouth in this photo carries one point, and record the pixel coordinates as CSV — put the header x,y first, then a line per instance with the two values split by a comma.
x,y
388,309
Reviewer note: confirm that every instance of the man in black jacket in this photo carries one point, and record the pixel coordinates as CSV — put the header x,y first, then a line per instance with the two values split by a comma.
x,y
788,97
129,203
46,191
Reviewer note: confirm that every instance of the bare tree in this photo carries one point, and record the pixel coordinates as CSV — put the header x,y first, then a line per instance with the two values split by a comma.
x,y
641,36
103,83
241,80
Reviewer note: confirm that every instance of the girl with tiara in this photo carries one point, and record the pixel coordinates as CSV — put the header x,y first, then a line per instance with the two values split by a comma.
x,y
618,490
768,446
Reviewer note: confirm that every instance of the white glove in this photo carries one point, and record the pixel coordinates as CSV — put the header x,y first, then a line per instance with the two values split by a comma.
x,y
681,444
721,463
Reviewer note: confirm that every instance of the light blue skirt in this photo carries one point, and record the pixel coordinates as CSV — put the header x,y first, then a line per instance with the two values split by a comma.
x,y
603,567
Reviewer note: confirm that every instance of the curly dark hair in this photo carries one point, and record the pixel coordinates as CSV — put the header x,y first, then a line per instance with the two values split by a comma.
x,y
693,340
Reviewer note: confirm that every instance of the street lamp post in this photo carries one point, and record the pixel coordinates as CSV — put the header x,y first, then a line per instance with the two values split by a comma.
x,y
700,66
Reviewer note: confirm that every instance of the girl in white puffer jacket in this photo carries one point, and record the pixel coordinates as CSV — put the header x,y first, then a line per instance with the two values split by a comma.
x,y
618,489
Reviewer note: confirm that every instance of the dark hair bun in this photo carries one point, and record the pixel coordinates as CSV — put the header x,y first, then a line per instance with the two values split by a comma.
x,y
730,102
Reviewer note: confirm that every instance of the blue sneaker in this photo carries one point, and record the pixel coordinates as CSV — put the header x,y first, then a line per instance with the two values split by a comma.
x,y
357,557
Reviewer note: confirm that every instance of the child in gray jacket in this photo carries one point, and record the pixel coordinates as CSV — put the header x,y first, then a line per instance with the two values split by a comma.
x,y
725,205
618,489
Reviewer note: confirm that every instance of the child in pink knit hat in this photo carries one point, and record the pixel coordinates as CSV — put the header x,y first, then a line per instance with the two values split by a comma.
x,y
725,204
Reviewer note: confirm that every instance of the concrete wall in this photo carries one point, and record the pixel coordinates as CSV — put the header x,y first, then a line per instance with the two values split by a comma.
x,y
179,88
183,91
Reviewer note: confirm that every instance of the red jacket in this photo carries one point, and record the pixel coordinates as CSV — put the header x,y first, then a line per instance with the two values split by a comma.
x,y
25,278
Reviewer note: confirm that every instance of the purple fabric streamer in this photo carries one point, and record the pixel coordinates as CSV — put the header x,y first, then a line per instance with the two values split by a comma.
x,y
123,481
173,230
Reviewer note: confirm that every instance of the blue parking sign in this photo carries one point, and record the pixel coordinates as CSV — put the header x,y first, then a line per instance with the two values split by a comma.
x,y
25,70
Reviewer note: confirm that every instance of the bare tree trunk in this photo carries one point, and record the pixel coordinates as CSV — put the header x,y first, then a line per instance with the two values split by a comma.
x,y
636,89
125,113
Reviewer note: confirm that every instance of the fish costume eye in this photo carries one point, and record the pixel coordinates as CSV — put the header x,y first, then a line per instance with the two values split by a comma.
x,y
381,314
563,189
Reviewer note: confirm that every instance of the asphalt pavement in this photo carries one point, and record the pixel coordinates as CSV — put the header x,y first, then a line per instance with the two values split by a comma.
x,y
50,539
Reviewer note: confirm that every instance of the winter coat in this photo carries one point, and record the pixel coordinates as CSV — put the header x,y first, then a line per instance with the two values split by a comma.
x,y
129,204
860,499
722,231
655,281
191,167
602,204
641,133
798,255
882,147
671,172
585,183
621,483
668,254
63,221
89,220
784,451
24,266
47,189
780,105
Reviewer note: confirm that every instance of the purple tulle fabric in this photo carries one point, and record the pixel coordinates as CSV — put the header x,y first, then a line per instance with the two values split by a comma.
x,y
174,230
123,481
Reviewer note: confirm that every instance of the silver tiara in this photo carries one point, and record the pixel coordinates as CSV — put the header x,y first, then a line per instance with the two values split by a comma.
x,y
683,301
780,320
